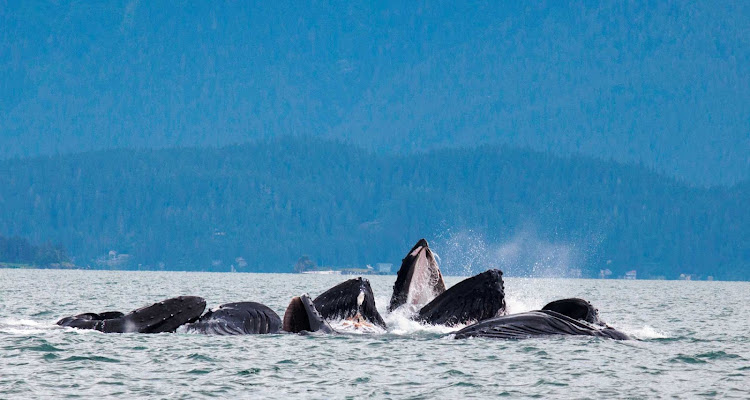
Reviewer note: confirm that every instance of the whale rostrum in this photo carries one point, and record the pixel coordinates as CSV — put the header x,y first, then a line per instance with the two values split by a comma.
x,y
418,280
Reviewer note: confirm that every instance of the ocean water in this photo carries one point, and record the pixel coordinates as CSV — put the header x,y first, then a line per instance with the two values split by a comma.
x,y
692,342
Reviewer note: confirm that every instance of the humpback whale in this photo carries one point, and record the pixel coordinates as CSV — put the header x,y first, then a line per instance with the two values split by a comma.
x,y
561,317
474,299
164,316
350,300
419,279
302,316
535,324
244,318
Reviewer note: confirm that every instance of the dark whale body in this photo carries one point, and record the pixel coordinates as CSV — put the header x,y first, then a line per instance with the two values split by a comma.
x,y
244,318
575,308
419,276
164,316
536,324
352,299
474,299
302,316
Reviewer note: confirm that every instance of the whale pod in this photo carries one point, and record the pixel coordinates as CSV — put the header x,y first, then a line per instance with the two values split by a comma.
x,y
164,316
419,279
243,318
474,299
352,299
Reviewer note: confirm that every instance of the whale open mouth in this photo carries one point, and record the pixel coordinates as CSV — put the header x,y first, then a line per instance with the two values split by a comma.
x,y
419,279
302,316
477,298
349,300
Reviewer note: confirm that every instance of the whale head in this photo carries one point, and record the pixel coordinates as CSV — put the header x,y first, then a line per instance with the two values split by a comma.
x,y
418,280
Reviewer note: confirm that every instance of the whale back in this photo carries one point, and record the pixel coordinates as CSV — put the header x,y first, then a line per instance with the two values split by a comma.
x,y
419,279
243,318
474,299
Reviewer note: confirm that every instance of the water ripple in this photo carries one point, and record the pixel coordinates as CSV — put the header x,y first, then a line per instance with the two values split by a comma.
x,y
682,352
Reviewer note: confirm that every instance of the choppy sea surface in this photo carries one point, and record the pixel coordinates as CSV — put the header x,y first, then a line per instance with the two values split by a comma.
x,y
693,341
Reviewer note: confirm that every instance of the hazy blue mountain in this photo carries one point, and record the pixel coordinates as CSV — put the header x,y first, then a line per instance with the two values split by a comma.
x,y
665,84
273,201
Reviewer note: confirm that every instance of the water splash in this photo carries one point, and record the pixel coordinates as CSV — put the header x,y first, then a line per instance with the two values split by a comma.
x,y
468,252
401,322
644,332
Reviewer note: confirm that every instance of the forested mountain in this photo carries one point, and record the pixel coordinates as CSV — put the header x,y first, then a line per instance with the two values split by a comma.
x,y
271,202
19,251
665,83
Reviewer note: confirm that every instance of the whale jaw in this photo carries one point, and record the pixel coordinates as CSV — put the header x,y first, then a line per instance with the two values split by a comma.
x,y
419,279
302,316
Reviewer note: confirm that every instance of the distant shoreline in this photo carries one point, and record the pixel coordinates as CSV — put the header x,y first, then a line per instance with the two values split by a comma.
x,y
12,266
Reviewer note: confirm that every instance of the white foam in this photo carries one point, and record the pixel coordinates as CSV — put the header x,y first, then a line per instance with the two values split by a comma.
x,y
15,326
644,332
347,326
400,322
20,322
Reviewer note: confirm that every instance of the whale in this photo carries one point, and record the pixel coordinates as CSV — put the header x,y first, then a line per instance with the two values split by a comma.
x,y
164,316
302,316
242,318
571,317
575,308
474,299
418,280
352,300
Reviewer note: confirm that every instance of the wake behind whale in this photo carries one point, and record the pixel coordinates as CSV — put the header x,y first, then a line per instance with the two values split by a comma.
x,y
476,305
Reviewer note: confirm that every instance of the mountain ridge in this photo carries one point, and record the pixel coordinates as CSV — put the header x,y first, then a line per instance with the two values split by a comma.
x,y
272,201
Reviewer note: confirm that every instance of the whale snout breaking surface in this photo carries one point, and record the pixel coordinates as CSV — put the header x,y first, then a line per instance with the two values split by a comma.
x,y
351,300
575,308
474,299
418,280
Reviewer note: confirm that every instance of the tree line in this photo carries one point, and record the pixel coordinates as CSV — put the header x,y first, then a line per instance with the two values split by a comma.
x,y
270,202
18,250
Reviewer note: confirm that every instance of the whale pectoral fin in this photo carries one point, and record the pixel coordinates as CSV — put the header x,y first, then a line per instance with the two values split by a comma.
x,y
164,316
302,316
473,299
243,318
